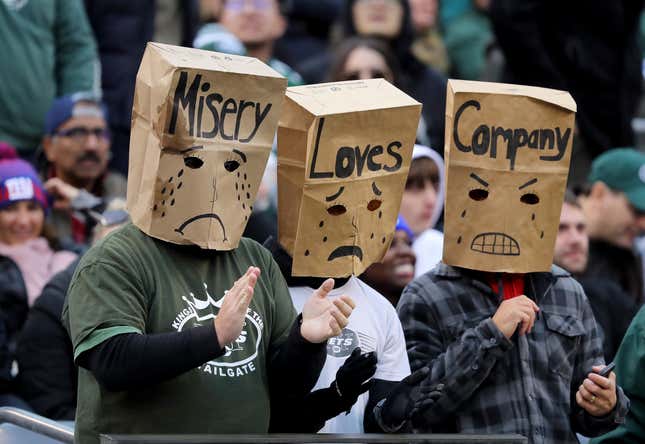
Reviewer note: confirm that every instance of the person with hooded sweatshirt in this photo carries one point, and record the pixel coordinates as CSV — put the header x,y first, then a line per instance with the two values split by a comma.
x,y
391,22
422,206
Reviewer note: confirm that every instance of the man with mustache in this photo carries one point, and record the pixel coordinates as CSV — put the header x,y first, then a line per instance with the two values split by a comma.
x,y
612,307
76,147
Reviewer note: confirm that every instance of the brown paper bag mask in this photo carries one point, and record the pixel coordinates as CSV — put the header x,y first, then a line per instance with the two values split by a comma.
x,y
202,128
507,158
344,151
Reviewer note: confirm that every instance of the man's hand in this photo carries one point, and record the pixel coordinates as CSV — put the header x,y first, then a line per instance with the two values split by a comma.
x,y
62,192
597,394
352,377
518,311
230,319
323,319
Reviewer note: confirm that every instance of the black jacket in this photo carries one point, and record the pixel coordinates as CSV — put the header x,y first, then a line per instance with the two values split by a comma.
x,y
588,48
613,310
13,312
47,378
619,265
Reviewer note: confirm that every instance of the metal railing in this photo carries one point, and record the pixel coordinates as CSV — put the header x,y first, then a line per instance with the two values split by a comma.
x,y
37,424
317,438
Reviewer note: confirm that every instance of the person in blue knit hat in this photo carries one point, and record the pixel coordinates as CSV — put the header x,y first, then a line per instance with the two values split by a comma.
x,y
397,269
28,256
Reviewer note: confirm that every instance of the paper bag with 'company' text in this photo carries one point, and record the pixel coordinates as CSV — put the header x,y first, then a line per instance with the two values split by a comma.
x,y
344,152
203,124
507,153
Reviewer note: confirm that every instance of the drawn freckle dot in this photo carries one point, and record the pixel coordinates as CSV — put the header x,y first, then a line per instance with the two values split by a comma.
x,y
533,216
248,196
325,239
244,206
238,197
321,224
463,213
154,208
180,173
170,180
163,191
246,217
172,202
372,236
383,240
244,176
306,252
163,202
172,192
380,213
459,240
242,186
179,185
542,235
251,207
163,214
238,174
236,186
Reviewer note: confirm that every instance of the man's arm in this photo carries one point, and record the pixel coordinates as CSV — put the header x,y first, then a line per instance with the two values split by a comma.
x,y
309,414
461,366
131,361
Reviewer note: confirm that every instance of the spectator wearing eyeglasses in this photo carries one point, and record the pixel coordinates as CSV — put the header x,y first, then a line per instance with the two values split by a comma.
x,y
249,27
77,151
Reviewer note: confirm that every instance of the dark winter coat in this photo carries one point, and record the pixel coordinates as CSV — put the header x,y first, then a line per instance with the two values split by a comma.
x,y
48,376
588,48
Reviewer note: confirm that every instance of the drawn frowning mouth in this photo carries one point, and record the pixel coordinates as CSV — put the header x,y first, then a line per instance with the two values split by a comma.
x,y
495,243
346,250
187,222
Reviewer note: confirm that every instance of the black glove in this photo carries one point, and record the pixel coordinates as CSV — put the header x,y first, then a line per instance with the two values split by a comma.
x,y
395,409
426,397
350,378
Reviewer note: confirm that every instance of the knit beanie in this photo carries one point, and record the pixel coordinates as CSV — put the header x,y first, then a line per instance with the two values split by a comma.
x,y
18,179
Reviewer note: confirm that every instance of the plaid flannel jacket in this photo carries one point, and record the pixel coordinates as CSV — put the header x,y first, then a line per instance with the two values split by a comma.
x,y
525,385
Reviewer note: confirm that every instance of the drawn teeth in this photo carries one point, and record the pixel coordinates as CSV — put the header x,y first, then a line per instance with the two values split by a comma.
x,y
495,243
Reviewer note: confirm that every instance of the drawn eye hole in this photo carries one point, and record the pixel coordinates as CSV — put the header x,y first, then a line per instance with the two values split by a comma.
x,y
193,162
478,194
373,205
337,210
530,198
231,165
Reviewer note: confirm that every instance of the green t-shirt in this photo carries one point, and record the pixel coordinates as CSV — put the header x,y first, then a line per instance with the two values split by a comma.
x,y
130,282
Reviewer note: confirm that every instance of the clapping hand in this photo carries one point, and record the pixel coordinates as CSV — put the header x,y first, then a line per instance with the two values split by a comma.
x,y
323,319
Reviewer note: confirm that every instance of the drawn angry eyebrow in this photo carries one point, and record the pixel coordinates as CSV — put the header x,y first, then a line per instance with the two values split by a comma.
x,y
375,189
479,179
192,148
241,154
530,182
334,196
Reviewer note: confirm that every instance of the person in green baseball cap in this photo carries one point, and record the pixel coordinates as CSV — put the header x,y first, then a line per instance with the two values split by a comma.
x,y
614,206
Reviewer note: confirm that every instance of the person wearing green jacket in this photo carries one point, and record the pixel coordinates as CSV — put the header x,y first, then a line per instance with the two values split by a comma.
x,y
630,368
47,50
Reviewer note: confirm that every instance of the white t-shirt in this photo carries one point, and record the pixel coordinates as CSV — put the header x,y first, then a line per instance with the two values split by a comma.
x,y
373,326
428,248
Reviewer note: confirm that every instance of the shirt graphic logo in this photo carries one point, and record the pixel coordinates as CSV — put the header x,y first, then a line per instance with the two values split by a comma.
x,y
239,357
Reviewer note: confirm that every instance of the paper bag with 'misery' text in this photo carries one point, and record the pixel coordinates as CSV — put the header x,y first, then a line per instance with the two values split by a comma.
x,y
203,124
